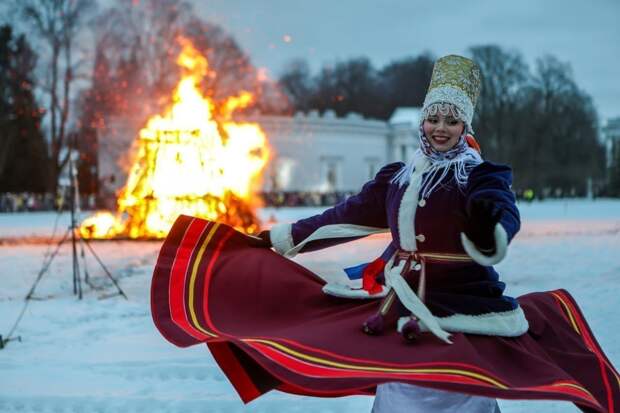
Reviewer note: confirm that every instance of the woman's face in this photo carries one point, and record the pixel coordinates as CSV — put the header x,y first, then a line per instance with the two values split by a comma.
x,y
443,132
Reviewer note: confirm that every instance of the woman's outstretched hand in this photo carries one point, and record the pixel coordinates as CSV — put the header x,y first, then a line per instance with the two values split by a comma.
x,y
480,223
262,240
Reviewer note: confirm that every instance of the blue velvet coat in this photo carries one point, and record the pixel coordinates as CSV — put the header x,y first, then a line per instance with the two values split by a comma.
x,y
432,225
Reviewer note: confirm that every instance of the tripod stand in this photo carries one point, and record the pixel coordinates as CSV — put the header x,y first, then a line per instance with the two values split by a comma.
x,y
76,239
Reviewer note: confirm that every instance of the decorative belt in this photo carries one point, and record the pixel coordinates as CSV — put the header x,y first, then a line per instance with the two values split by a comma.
x,y
417,261
401,289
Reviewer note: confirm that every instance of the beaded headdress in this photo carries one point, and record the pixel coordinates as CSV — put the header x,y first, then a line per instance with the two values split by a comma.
x,y
454,89
455,81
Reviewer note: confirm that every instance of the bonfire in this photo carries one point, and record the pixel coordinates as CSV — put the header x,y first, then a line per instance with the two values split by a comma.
x,y
193,159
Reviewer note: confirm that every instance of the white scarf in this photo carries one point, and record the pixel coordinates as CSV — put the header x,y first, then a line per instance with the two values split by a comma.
x,y
461,158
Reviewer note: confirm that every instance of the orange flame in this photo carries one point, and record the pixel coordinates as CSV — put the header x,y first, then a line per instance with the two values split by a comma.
x,y
190,163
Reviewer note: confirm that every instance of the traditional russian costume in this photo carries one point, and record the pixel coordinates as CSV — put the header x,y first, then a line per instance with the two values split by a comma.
x,y
272,324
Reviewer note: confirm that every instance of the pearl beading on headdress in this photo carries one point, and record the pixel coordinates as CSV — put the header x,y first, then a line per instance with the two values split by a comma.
x,y
448,100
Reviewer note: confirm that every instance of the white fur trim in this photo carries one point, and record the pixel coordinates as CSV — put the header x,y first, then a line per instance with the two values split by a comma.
x,y
409,204
345,291
281,238
501,247
330,232
510,323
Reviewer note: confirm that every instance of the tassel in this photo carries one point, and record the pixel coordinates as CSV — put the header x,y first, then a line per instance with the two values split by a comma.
x,y
411,330
473,143
375,324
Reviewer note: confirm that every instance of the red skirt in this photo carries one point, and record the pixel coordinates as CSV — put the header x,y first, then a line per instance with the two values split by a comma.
x,y
269,326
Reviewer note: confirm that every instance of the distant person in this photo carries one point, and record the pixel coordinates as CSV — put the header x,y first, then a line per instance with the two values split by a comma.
x,y
528,195
441,336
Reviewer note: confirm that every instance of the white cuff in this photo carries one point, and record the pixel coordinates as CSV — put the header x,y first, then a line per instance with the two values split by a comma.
x,y
501,247
511,323
281,238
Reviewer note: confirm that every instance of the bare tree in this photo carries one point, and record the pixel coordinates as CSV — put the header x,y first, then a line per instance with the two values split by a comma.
x,y
355,86
296,80
564,124
230,69
58,24
405,81
541,123
348,86
149,30
149,33
504,75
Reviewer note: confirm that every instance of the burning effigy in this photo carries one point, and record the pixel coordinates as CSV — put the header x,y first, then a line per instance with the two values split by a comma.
x,y
193,159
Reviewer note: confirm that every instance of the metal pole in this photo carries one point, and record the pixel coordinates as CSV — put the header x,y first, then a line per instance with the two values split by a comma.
x,y
71,226
77,282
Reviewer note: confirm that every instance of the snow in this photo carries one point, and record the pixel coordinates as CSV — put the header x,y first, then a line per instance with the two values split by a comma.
x,y
105,355
32,224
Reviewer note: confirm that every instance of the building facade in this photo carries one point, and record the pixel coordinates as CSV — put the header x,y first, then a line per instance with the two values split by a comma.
x,y
314,153
611,135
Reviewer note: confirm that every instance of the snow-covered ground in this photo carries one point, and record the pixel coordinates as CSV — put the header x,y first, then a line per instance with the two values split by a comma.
x,y
105,355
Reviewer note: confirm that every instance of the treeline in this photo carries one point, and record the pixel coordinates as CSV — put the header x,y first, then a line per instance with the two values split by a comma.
x,y
538,120
356,86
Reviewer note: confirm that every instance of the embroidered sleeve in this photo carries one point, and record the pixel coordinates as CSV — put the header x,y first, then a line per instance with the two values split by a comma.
x,y
367,208
492,181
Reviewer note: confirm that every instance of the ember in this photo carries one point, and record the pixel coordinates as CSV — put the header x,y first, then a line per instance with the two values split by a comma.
x,y
194,159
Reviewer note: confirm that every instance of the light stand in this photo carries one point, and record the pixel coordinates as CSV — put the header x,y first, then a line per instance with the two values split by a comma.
x,y
73,228
76,237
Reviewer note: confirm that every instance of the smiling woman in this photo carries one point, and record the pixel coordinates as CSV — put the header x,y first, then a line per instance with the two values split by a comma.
x,y
443,131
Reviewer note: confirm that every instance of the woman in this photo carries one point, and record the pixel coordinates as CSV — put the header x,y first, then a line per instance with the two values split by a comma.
x,y
446,189
451,216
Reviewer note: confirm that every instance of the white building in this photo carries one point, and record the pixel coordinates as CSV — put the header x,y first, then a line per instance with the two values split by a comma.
x,y
611,136
327,154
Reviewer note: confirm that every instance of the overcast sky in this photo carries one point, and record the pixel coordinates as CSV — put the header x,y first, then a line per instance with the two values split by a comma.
x,y
584,33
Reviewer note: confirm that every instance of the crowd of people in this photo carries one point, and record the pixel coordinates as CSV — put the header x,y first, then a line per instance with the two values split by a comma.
x,y
33,202
310,198
302,198
26,202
